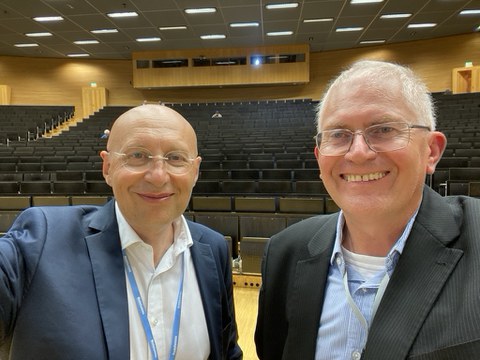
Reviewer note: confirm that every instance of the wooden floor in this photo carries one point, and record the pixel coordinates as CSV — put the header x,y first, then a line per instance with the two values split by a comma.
x,y
246,305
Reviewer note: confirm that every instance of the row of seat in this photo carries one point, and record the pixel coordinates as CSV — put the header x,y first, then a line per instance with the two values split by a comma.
x,y
94,187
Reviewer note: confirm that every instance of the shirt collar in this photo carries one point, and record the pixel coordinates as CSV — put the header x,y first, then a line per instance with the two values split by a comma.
x,y
182,238
394,253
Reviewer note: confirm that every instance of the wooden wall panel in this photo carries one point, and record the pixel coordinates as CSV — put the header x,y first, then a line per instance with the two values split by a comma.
x,y
60,81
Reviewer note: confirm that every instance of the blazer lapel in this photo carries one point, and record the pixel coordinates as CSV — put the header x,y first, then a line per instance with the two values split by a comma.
x,y
422,270
209,285
304,305
108,271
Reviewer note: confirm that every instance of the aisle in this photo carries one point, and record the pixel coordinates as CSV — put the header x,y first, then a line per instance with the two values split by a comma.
x,y
246,305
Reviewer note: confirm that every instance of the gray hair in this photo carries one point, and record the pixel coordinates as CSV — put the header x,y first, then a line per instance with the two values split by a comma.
x,y
413,89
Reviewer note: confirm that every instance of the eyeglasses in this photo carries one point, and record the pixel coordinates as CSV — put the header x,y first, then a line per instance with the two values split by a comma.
x,y
140,160
379,138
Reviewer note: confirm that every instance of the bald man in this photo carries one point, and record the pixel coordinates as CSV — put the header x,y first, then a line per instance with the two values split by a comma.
x,y
131,280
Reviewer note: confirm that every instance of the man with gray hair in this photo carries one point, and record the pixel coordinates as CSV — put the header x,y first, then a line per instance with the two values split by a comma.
x,y
395,274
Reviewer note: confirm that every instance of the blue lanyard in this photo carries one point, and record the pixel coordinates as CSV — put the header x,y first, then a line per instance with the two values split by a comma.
x,y
143,314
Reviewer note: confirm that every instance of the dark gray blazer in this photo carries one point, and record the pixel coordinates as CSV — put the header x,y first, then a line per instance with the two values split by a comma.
x,y
431,307
63,291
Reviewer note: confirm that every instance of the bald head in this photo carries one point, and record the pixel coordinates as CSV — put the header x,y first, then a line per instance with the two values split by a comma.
x,y
150,119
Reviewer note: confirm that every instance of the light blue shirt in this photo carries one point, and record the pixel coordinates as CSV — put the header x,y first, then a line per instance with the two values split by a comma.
x,y
341,334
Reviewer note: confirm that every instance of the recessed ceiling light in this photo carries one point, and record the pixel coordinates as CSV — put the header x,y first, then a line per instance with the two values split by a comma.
x,y
395,16
369,42
47,18
38,34
317,20
213,37
244,24
85,42
281,6
122,14
347,29
470,12
26,45
173,27
279,33
104,31
78,55
200,11
421,25
365,1
148,39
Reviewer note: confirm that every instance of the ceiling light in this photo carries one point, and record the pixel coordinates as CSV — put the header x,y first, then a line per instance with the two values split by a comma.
x,y
200,11
279,33
470,12
244,24
395,16
24,45
369,42
149,39
85,42
47,18
365,1
347,29
173,28
38,34
421,25
122,14
281,6
104,31
317,20
78,55
213,37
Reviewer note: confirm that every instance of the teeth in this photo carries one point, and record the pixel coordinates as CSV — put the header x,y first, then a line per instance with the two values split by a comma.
x,y
365,177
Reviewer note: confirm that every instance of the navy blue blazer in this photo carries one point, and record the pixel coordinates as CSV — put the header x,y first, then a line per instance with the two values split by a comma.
x,y
63,291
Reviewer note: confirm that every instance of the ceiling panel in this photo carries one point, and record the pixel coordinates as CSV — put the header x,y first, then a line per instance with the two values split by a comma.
x,y
82,16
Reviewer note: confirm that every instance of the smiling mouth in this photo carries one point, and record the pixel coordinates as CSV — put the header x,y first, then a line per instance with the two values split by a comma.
x,y
364,177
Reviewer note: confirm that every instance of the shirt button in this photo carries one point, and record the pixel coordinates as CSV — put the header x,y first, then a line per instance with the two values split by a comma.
x,y
356,355
339,261
154,322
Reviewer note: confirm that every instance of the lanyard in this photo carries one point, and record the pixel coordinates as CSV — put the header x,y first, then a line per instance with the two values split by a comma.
x,y
143,314
378,297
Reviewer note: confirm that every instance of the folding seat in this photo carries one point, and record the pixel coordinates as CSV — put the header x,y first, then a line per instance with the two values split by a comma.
x,y
251,252
214,174
302,205
255,204
310,164
11,167
235,164
261,164
15,202
98,188
474,188
54,166
35,187
70,187
470,174
245,174
69,175
212,164
207,187
275,187
239,187
331,206
306,174
310,187
36,176
80,165
276,174
7,217
30,167
211,203
289,164
11,177
448,162
41,200
93,175
89,200
226,224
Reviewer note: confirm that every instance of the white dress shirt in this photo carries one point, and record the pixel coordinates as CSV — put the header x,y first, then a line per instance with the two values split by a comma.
x,y
158,289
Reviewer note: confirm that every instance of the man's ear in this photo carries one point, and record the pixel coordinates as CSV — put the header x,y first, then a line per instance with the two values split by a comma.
x,y
105,166
436,143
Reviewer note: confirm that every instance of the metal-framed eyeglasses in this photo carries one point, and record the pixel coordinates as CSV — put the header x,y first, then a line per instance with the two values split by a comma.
x,y
139,160
383,137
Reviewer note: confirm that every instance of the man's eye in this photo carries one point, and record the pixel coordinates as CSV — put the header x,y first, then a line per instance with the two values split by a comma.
x,y
137,155
176,157
339,135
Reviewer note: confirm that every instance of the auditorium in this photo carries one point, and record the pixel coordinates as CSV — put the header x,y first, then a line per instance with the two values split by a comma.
x,y
248,75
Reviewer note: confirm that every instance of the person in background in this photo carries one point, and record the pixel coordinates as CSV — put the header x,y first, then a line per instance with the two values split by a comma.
x,y
106,134
131,280
396,273
216,114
